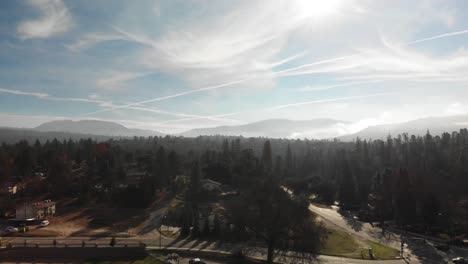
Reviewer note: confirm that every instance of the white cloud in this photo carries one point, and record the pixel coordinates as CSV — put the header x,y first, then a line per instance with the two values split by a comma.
x,y
457,108
54,19
341,129
242,43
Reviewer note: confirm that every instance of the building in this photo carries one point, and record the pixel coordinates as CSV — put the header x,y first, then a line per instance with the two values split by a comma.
x,y
39,210
133,175
210,186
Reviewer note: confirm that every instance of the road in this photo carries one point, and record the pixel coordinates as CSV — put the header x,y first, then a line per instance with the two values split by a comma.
x,y
167,242
416,250
345,221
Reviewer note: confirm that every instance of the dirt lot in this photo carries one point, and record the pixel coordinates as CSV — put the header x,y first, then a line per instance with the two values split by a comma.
x,y
101,220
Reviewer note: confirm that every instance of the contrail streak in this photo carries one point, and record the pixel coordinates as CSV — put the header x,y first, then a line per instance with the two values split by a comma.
x,y
272,108
282,73
325,101
171,96
275,74
437,37
321,88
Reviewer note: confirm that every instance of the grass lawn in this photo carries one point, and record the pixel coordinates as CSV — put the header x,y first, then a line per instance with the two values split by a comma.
x,y
342,244
383,252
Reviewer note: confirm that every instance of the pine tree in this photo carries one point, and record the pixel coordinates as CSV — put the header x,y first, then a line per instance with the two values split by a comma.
x,y
266,156
206,226
216,225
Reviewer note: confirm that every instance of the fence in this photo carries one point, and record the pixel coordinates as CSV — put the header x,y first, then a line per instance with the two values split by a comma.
x,y
57,243
48,251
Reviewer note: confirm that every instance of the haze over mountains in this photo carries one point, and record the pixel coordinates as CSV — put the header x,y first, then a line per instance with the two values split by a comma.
x,y
94,127
435,125
274,128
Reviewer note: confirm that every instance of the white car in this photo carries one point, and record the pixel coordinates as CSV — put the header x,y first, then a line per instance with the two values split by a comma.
x,y
11,229
460,260
44,223
196,261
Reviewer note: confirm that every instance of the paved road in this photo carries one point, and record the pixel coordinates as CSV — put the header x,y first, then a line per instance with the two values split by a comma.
x,y
166,242
345,221
416,250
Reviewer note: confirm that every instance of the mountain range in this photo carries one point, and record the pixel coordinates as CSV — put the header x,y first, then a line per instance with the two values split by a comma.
x,y
274,128
94,127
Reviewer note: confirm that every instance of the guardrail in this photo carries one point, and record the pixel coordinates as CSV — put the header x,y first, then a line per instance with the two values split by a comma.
x,y
54,243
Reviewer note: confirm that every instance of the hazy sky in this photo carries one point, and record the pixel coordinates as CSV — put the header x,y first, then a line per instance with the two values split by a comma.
x,y
175,65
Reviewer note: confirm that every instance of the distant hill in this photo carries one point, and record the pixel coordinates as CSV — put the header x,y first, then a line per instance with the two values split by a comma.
x,y
13,135
435,125
274,128
94,127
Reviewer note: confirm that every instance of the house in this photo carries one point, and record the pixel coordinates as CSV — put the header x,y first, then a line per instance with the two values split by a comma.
x,y
133,175
39,210
211,186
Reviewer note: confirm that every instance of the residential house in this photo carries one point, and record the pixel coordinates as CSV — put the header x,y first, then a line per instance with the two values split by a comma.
x,y
39,210
133,176
211,186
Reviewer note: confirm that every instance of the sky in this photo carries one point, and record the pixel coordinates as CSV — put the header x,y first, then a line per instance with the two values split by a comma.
x,y
175,65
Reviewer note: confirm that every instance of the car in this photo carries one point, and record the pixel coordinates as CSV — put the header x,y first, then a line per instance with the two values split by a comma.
x,y
196,261
11,229
44,223
460,260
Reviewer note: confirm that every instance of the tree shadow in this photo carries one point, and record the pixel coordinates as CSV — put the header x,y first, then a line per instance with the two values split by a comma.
x,y
350,220
423,251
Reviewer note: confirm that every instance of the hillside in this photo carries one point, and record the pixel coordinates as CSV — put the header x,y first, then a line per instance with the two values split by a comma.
x,y
94,127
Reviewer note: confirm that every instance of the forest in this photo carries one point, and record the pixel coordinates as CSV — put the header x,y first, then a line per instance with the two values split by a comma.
x,y
418,182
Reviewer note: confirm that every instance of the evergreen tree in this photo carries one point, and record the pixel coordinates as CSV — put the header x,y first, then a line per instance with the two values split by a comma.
x,y
266,156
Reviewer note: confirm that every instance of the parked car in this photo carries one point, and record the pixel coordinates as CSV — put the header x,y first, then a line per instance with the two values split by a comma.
x,y
460,260
11,229
196,261
44,223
